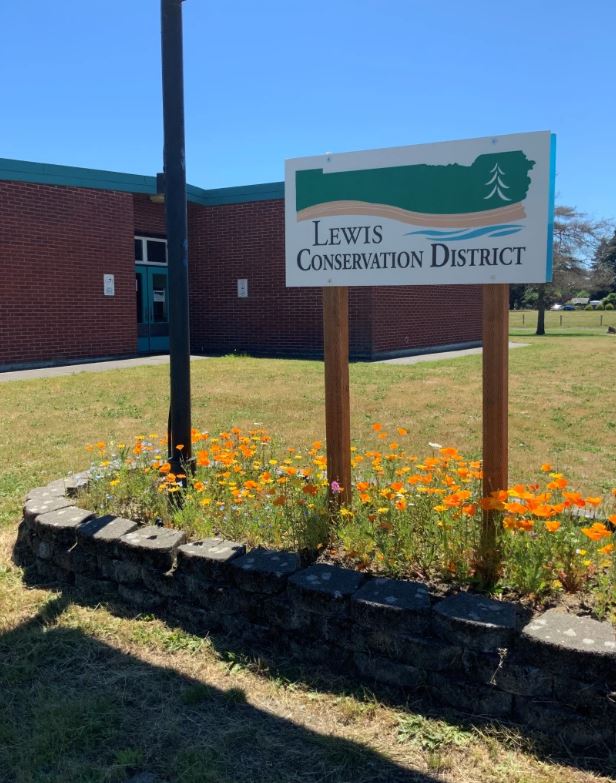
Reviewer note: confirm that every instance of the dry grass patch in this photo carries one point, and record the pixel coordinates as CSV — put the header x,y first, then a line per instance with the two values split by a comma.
x,y
89,694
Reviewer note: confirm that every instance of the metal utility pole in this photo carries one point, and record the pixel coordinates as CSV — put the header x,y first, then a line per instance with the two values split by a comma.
x,y
177,243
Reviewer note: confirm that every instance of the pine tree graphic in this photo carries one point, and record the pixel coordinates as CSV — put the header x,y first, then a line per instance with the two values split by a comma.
x,y
497,173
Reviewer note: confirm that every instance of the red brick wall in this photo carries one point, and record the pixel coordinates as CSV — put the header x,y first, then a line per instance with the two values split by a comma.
x,y
55,245
415,317
149,217
246,241
227,243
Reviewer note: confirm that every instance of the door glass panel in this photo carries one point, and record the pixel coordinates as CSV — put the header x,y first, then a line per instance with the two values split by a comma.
x,y
138,249
157,252
159,298
139,289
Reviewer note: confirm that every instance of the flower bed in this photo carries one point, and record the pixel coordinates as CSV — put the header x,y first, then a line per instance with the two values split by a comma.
x,y
554,672
410,517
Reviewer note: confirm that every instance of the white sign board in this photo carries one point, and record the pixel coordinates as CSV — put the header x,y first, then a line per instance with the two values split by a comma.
x,y
109,285
474,211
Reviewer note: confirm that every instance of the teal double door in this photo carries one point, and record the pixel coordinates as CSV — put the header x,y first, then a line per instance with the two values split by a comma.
x,y
152,308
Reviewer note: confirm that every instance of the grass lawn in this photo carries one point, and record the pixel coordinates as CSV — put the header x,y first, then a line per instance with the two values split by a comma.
x,y
569,322
94,693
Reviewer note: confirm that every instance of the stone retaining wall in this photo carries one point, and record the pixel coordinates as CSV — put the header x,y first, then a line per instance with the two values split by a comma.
x,y
554,673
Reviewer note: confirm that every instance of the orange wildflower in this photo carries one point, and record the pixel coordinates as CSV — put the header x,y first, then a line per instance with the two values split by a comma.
x,y
593,501
596,532
165,467
516,508
377,426
552,526
546,467
607,549
402,431
310,489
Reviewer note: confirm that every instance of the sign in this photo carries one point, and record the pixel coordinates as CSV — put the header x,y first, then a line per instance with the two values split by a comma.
x,y
109,285
474,211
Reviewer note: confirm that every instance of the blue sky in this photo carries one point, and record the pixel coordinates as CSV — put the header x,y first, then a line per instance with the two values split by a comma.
x,y
272,79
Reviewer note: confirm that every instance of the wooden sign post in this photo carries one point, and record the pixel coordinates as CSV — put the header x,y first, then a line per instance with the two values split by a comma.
x,y
337,401
495,415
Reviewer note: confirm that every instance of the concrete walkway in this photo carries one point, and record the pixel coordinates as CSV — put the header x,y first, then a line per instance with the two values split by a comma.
x,y
73,369
141,361
433,357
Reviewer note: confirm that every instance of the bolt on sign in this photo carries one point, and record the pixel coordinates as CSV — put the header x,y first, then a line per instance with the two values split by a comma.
x,y
473,211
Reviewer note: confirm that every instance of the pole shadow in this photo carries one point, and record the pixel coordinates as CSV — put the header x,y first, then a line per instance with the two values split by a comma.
x,y
76,710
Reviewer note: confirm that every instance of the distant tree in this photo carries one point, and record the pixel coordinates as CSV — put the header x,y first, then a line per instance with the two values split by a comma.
x,y
604,268
576,241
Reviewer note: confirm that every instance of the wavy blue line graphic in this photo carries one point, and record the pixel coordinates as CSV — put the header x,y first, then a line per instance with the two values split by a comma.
x,y
505,229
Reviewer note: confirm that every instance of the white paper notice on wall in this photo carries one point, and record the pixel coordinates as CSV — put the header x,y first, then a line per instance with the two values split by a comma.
x,y
242,288
109,285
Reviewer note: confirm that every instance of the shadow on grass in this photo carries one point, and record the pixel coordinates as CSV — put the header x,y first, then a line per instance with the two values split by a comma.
x,y
187,731
75,710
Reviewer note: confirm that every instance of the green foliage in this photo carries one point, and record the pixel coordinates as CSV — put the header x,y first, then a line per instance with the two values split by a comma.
x,y
608,306
408,516
432,735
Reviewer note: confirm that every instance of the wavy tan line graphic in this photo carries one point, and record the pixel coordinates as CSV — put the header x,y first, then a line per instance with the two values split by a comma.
x,y
488,217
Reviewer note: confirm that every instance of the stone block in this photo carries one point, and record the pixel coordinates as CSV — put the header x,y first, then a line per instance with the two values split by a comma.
x,y
60,525
319,653
252,635
225,599
55,489
192,618
102,534
42,505
95,588
209,559
571,646
424,652
507,673
154,547
399,675
121,571
392,605
42,548
476,622
324,588
165,584
49,572
264,570
575,731
76,483
23,550
335,629
589,698
480,700
140,598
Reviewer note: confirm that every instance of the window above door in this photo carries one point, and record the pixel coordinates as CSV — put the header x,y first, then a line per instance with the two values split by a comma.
x,y
150,250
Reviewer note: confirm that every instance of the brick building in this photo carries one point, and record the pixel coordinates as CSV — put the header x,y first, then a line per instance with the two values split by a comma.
x,y
83,276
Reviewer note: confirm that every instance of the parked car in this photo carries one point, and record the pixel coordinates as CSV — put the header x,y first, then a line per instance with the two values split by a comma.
x,y
568,307
556,307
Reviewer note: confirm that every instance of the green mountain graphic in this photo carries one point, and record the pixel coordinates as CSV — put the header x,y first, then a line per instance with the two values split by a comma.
x,y
491,181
